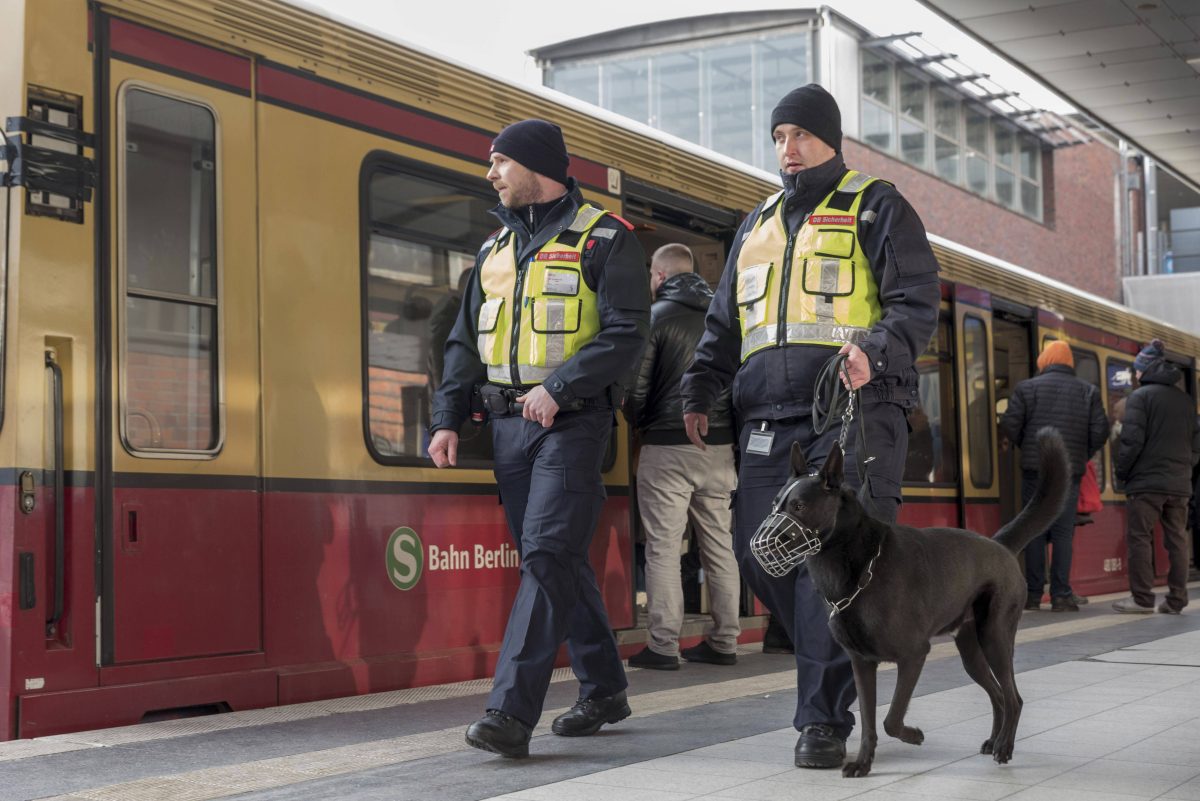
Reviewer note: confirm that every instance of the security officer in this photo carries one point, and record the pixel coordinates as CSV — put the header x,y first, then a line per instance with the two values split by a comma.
x,y
557,311
837,262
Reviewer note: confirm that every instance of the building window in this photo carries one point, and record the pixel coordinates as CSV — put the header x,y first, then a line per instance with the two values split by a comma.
x,y
933,443
946,149
421,233
914,118
878,117
1031,176
577,80
169,274
677,94
906,112
718,96
625,88
979,408
728,76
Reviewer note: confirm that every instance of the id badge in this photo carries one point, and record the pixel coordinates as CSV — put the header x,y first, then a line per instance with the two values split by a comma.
x,y
760,443
561,282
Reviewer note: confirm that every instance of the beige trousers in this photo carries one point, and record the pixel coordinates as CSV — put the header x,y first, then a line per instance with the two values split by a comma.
x,y
675,483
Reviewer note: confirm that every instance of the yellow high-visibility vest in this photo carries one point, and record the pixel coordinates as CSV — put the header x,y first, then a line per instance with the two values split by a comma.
x,y
534,319
811,287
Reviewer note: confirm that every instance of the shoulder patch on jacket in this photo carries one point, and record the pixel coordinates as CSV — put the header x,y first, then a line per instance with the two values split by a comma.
x,y
621,220
499,233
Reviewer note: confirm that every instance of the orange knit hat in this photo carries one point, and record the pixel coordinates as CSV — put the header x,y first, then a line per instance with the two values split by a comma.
x,y
1056,352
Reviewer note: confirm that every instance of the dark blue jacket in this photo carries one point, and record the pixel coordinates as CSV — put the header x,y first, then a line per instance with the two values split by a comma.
x,y
1160,442
775,383
1056,397
614,267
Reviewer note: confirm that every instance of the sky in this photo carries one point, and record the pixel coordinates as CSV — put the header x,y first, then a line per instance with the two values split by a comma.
x,y
494,37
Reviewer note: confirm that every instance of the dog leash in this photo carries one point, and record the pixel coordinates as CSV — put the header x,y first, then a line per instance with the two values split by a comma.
x,y
830,395
842,605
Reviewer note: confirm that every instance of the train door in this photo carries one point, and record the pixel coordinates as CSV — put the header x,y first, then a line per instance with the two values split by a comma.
x,y
181,563
977,408
1012,348
661,218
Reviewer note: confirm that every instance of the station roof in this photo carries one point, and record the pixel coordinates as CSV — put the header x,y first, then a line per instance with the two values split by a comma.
x,y
1131,65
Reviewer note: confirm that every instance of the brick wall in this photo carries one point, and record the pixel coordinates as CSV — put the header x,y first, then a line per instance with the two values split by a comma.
x,y
1077,244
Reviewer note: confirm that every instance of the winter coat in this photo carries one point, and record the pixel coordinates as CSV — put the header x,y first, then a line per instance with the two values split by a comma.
x,y
777,383
676,324
614,266
1160,442
1055,397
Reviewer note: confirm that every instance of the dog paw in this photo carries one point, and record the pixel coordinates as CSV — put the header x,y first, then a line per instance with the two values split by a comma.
x,y
856,769
986,748
1002,753
911,735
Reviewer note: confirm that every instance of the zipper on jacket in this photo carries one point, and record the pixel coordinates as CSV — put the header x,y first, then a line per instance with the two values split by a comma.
x,y
515,346
786,277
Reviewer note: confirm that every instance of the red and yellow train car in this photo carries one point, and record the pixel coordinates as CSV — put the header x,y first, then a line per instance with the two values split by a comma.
x,y
233,232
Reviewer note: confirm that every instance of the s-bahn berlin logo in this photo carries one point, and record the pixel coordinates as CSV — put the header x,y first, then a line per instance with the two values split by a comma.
x,y
405,558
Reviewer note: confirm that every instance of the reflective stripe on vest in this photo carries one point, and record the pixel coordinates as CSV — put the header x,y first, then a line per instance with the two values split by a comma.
x,y
535,319
811,287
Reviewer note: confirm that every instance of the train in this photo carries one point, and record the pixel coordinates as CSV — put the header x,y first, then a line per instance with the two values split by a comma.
x,y
233,234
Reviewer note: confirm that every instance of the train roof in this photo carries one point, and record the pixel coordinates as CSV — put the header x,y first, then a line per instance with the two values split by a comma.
x,y
302,35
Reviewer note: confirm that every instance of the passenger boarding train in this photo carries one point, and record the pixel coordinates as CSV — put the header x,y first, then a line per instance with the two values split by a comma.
x,y
233,236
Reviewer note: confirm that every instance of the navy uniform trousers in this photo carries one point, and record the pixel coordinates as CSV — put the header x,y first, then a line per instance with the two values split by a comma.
x,y
551,489
824,678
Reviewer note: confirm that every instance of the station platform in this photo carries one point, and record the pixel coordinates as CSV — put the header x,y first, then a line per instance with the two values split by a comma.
x,y
1112,713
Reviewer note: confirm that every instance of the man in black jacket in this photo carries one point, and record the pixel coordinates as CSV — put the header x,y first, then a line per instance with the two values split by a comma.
x,y
676,480
838,262
550,360
1159,446
1055,397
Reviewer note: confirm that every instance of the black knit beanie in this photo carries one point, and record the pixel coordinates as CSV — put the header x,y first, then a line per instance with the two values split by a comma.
x,y
814,110
536,145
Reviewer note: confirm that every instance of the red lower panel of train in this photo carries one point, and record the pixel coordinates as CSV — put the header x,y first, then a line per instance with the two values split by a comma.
x,y
358,593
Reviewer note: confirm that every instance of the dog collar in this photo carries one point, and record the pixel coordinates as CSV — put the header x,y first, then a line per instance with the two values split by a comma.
x,y
840,606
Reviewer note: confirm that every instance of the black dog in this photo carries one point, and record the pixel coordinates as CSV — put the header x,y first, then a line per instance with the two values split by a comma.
x,y
894,587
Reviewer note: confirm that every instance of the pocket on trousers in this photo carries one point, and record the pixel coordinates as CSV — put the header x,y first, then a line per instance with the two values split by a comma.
x,y
580,480
883,487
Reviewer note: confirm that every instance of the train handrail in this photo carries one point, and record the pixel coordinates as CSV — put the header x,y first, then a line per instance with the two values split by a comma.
x,y
60,559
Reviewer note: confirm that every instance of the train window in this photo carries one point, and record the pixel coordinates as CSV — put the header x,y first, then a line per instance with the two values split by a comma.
x,y
1119,377
933,443
1087,367
421,232
979,408
170,382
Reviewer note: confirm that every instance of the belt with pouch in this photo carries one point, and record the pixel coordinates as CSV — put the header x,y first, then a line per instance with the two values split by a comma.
x,y
508,400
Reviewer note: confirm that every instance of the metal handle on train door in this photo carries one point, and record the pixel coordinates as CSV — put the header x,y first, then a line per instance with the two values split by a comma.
x,y
60,558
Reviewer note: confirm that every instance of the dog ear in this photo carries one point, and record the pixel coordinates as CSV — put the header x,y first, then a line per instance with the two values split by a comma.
x,y
831,472
799,462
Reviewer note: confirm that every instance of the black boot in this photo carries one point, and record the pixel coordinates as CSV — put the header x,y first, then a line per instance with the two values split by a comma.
x,y
501,734
706,653
653,660
589,714
820,747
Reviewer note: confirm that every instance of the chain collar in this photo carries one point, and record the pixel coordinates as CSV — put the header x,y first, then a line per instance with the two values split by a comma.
x,y
842,605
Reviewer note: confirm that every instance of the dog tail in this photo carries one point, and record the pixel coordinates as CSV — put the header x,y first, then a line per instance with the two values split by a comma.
x,y
1054,473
